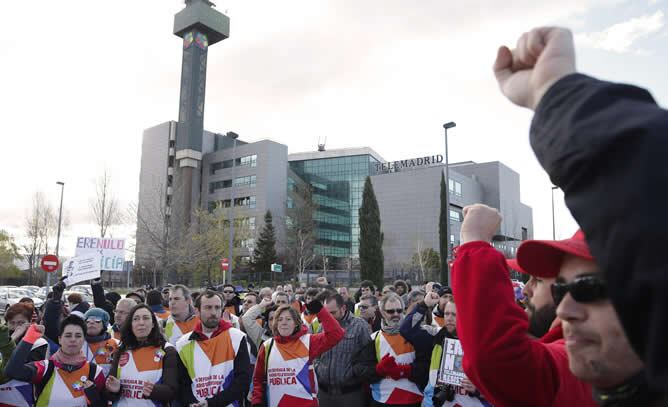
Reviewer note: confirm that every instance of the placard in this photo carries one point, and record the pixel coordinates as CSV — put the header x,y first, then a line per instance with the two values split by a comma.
x,y
451,370
81,268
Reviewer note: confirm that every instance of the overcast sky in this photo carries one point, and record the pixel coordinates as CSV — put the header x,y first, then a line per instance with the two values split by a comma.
x,y
80,81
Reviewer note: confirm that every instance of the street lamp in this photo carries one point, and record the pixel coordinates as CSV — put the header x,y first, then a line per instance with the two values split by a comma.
x,y
554,234
234,137
60,217
446,126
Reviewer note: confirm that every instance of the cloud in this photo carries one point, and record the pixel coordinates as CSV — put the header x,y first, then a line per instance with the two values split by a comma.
x,y
621,36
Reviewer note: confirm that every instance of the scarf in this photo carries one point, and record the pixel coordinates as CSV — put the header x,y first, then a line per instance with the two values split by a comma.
x,y
99,338
391,330
73,361
157,309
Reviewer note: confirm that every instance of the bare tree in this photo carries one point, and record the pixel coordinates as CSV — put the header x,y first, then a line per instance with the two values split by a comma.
x,y
104,205
301,231
40,224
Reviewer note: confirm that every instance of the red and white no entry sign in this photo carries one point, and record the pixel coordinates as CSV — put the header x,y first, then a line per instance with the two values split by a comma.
x,y
224,264
49,263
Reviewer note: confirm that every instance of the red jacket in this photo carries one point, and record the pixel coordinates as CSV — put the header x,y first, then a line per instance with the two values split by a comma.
x,y
509,368
320,343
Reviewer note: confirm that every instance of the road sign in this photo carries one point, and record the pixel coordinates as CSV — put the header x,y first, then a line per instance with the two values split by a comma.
x,y
276,268
49,263
224,264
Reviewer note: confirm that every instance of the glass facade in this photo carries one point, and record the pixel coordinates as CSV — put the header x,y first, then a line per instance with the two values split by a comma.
x,y
337,184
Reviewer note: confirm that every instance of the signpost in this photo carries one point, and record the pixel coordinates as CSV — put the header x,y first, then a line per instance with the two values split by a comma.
x,y
49,263
276,268
224,266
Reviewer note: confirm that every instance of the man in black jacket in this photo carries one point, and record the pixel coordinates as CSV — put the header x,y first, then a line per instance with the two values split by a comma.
x,y
604,145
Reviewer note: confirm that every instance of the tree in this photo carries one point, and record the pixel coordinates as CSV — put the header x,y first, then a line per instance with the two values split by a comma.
x,y
9,252
371,237
301,231
425,260
104,205
40,224
265,247
443,232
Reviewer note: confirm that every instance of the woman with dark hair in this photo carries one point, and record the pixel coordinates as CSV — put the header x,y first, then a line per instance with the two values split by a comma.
x,y
295,351
66,378
144,371
154,301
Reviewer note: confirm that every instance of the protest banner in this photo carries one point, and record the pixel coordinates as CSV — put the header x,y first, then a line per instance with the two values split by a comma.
x,y
451,370
111,251
81,268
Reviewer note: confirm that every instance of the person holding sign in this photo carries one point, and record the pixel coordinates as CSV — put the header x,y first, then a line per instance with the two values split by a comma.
x,y
447,384
284,374
66,378
144,371
509,367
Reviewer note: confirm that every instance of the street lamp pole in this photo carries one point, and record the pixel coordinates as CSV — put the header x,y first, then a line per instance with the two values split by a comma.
x,y
60,218
554,234
234,137
446,126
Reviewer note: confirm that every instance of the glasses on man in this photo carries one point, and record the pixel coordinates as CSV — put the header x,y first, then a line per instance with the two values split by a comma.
x,y
394,311
363,306
584,289
228,292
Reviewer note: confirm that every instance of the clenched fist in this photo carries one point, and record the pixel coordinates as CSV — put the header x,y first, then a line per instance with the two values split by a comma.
x,y
480,223
542,56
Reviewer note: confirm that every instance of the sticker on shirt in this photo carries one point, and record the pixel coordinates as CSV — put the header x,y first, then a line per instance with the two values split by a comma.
x,y
159,354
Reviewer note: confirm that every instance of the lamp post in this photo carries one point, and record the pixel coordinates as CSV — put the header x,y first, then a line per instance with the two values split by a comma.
x,y
554,234
234,137
446,126
60,217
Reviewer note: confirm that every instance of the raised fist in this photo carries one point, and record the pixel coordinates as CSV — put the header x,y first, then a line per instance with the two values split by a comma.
x,y
542,56
480,223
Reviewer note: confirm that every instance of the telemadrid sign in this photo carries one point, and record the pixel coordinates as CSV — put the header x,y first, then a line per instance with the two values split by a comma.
x,y
410,163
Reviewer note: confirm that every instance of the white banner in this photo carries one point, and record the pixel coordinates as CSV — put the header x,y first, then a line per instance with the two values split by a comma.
x,y
81,268
111,251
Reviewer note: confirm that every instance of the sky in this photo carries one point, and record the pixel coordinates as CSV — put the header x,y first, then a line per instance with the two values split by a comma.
x,y
81,80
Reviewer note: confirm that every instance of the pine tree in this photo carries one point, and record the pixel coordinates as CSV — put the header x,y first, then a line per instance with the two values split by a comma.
x,y
443,233
265,248
371,238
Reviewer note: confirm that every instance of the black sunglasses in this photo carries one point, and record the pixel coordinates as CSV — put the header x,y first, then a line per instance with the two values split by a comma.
x,y
394,311
584,289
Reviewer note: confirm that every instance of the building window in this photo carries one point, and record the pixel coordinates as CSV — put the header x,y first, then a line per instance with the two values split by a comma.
x,y
291,203
455,215
246,201
455,187
219,166
248,181
525,234
213,186
292,186
247,161
213,205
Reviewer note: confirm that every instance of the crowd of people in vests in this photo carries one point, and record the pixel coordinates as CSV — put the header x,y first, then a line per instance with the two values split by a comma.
x,y
565,340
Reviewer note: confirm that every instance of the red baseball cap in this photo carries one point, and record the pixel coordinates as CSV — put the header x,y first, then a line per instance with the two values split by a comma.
x,y
512,263
542,258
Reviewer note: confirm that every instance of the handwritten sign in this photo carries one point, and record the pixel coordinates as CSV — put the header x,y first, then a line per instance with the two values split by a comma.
x,y
81,268
111,251
451,370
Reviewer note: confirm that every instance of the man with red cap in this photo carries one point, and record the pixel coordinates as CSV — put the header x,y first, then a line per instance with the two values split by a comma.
x,y
508,366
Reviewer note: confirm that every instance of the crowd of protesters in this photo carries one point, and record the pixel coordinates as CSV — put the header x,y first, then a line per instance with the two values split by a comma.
x,y
586,329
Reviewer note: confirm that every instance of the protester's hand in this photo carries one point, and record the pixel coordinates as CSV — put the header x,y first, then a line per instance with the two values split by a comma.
x,y
314,306
266,301
148,389
58,290
34,333
480,223
542,56
200,404
386,365
19,331
431,299
468,386
113,385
